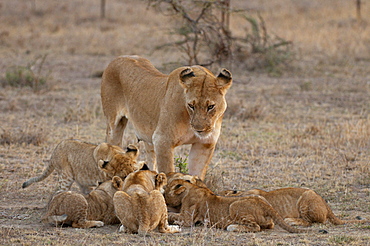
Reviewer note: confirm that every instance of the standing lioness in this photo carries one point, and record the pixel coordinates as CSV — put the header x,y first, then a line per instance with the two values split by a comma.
x,y
184,107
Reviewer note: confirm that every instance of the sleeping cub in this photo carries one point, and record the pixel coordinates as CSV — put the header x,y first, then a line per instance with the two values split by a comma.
x,y
92,210
298,206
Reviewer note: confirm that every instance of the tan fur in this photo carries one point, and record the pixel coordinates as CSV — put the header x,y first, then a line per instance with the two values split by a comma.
x,y
166,111
171,176
86,164
243,214
92,210
190,178
298,206
141,207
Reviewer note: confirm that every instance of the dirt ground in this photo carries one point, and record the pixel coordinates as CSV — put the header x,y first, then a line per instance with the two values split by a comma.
x,y
309,127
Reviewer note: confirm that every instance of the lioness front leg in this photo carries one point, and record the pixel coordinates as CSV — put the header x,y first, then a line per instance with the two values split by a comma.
x,y
199,157
164,157
150,156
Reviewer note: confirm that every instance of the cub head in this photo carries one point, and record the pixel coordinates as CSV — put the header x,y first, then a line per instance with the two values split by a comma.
x,y
204,97
192,179
111,186
242,193
160,182
114,161
230,193
175,191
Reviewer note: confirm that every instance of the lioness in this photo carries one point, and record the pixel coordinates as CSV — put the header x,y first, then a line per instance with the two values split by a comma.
x,y
166,111
199,204
88,164
92,210
140,206
298,206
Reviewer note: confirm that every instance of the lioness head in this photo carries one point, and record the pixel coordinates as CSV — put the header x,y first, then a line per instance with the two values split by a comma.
x,y
114,161
204,97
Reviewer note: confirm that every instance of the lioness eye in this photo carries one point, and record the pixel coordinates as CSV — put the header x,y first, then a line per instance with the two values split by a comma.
x,y
191,106
210,107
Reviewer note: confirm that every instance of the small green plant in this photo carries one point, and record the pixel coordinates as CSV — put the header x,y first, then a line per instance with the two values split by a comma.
x,y
27,76
182,164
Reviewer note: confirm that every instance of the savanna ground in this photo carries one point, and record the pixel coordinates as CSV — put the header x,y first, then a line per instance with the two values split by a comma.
x,y
308,127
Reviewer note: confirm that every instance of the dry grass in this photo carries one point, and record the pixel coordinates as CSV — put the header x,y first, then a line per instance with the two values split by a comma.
x,y
310,127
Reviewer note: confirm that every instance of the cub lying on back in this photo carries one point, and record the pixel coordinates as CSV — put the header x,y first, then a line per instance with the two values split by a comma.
x,y
199,204
140,206
88,164
299,206
92,210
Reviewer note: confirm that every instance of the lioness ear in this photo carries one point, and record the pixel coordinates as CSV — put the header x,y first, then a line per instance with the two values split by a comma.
x,y
185,76
224,79
117,182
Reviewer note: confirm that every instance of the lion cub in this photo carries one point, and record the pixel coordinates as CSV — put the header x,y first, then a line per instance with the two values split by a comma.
x,y
141,206
190,178
92,210
298,206
86,164
243,214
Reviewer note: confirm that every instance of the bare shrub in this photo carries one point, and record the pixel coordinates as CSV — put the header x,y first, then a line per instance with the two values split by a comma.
x,y
204,37
259,49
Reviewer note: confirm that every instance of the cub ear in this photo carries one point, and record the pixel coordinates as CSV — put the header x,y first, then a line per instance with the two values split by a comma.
x,y
224,79
132,147
103,164
132,150
101,151
144,166
140,165
160,180
117,182
179,189
185,77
